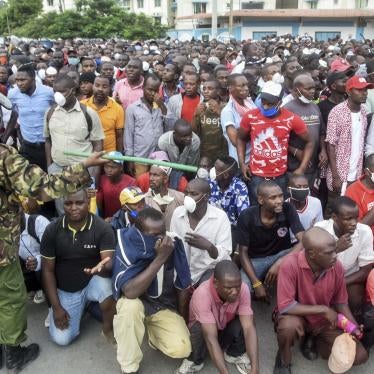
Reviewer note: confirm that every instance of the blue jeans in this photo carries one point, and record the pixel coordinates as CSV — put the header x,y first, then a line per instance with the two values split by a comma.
x,y
261,266
98,289
281,181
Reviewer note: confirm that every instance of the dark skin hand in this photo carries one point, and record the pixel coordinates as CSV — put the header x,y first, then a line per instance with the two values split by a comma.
x,y
31,263
200,242
343,243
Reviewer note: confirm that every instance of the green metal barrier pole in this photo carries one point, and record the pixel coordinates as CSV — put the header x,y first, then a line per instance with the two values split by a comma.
x,y
140,160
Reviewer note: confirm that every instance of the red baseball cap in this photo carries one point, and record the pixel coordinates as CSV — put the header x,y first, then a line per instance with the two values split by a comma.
x,y
358,83
340,65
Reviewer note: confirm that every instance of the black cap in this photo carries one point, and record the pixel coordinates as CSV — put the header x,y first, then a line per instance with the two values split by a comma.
x,y
334,76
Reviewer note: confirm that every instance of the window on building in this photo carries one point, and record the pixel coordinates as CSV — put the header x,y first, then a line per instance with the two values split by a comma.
x,y
326,35
126,4
50,2
199,8
157,3
361,3
140,4
252,5
313,4
336,2
286,4
157,19
258,35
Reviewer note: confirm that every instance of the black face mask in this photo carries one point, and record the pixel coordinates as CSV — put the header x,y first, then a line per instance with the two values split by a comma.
x,y
299,194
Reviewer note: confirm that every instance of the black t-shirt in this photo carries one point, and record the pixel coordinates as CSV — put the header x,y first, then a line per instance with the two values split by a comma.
x,y
265,241
325,107
74,251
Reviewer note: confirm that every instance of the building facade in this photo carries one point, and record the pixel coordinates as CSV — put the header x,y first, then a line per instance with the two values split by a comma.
x,y
254,19
161,10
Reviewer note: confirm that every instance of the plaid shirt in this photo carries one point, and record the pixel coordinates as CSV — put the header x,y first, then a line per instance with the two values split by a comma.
x,y
233,201
339,134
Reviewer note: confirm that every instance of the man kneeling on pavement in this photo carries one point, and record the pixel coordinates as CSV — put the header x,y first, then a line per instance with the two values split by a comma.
x,y
221,323
312,302
149,295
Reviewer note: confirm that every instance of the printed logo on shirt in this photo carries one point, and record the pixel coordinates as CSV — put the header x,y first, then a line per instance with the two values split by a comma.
x,y
210,121
266,144
370,205
282,232
89,246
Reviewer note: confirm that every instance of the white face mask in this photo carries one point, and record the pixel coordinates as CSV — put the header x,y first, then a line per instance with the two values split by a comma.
x,y
212,173
278,78
202,173
303,99
190,204
60,99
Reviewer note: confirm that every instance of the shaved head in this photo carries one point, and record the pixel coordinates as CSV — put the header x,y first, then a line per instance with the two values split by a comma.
x,y
303,79
226,268
316,239
200,185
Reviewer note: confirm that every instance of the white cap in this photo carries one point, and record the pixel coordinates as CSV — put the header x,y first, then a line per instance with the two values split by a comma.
x,y
51,71
271,92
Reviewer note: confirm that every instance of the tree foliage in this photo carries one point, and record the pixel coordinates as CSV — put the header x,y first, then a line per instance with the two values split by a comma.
x,y
91,19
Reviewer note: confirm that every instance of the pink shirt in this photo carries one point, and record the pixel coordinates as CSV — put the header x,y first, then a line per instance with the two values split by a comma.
x,y
128,94
207,307
297,284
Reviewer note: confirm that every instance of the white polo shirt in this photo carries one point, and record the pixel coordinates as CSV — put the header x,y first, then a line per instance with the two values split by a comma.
x,y
215,227
360,254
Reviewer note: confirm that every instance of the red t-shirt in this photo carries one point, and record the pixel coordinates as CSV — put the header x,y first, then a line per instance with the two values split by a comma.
x,y
143,182
189,107
269,140
108,193
362,196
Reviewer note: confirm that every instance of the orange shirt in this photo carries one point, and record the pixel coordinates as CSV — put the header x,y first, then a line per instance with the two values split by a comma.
x,y
112,118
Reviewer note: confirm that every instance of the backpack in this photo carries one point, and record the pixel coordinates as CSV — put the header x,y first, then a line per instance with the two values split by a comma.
x,y
31,227
84,110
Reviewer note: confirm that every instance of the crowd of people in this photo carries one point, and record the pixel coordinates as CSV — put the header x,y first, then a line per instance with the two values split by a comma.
x,y
278,210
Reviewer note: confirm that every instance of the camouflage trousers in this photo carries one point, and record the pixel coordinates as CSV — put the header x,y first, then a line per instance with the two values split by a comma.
x,y
13,320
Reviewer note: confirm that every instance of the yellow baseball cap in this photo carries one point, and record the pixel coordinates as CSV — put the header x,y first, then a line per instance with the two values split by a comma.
x,y
131,195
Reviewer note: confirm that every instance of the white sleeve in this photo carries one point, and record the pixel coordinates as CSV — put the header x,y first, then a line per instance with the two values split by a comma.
x,y
366,256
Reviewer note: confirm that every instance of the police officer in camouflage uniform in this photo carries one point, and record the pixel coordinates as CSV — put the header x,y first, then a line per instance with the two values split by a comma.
x,y
19,178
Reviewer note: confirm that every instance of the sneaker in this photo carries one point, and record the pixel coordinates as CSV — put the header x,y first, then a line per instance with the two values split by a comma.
x,y
279,367
39,297
241,362
188,367
46,321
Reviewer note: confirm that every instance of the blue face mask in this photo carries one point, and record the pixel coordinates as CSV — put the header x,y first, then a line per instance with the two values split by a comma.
x,y
269,112
73,60
133,213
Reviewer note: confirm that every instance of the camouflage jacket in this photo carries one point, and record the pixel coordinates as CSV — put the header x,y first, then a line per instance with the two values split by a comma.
x,y
19,178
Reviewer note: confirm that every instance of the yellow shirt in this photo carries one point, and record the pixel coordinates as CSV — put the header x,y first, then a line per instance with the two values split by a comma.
x,y
112,118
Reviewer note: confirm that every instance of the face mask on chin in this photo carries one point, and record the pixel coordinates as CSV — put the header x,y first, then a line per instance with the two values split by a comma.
x,y
303,99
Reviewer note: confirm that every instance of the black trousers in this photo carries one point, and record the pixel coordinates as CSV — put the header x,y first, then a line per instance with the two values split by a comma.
x,y
231,339
34,153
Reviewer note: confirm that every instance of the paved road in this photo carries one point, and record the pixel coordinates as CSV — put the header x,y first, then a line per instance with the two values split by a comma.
x,y
90,354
